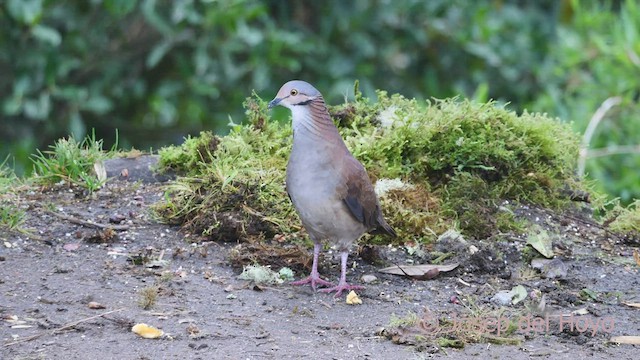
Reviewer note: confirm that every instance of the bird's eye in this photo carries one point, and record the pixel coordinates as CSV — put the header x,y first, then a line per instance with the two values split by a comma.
x,y
294,92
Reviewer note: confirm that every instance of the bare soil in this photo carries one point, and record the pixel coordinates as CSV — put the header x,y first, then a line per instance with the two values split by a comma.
x,y
48,280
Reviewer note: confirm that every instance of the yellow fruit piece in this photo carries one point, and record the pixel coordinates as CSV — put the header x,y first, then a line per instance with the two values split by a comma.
x,y
146,331
353,299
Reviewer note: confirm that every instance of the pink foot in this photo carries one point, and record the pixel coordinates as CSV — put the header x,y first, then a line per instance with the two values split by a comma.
x,y
314,280
342,287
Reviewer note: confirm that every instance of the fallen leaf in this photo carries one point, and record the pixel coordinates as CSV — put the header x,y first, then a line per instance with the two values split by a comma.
x,y
353,299
634,305
10,318
419,272
518,294
146,331
96,305
632,340
541,242
100,171
157,263
582,311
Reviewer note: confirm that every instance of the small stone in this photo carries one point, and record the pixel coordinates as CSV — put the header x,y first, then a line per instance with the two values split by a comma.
x,y
117,218
556,269
96,305
502,298
368,278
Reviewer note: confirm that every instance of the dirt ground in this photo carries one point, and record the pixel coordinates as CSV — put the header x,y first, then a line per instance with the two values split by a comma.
x,y
47,282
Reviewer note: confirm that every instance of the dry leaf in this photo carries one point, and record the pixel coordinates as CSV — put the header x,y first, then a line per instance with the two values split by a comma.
x,y
419,272
631,340
633,305
542,243
10,318
582,311
353,299
101,172
518,293
96,305
146,331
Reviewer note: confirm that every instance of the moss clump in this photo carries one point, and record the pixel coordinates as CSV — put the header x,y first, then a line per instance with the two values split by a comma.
x,y
459,159
625,220
189,157
235,188
471,156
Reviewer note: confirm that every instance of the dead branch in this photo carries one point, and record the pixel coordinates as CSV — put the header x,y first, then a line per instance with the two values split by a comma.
x,y
62,328
75,220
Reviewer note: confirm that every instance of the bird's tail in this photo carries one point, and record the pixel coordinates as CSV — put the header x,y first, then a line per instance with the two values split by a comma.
x,y
383,228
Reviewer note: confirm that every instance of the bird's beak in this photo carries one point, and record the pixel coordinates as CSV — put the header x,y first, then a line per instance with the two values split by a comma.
x,y
273,103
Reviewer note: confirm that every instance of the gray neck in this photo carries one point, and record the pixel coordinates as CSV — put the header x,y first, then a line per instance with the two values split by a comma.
x,y
312,122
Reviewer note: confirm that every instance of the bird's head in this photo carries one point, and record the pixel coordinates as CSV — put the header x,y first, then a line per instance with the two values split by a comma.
x,y
295,93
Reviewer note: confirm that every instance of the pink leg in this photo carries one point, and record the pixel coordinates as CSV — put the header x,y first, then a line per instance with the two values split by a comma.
x,y
314,278
342,285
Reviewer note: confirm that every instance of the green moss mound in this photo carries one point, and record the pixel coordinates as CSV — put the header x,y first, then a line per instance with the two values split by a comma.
x,y
438,164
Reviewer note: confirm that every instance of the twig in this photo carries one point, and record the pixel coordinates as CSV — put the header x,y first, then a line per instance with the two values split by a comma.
x,y
324,304
591,128
614,150
65,327
75,220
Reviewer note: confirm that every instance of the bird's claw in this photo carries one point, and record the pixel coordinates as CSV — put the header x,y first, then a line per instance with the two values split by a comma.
x,y
340,288
313,280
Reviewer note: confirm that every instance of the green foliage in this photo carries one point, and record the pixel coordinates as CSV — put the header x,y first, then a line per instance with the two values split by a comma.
x,y
455,162
625,220
74,162
8,178
596,51
159,70
11,217
194,152
408,320
239,186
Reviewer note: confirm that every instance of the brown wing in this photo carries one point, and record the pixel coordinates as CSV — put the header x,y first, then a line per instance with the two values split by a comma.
x,y
360,198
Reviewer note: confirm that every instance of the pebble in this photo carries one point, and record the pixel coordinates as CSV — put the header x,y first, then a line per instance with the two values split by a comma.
x,y
368,278
502,298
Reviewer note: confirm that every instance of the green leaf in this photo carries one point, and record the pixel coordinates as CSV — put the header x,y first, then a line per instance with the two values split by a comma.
x,y
518,294
46,35
154,19
77,127
541,242
97,104
25,11
158,53
38,108
120,7
12,106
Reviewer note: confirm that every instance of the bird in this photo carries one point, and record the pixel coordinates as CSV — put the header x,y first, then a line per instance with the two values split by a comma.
x,y
329,188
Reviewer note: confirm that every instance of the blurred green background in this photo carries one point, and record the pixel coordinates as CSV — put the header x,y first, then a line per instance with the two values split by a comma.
x,y
159,70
